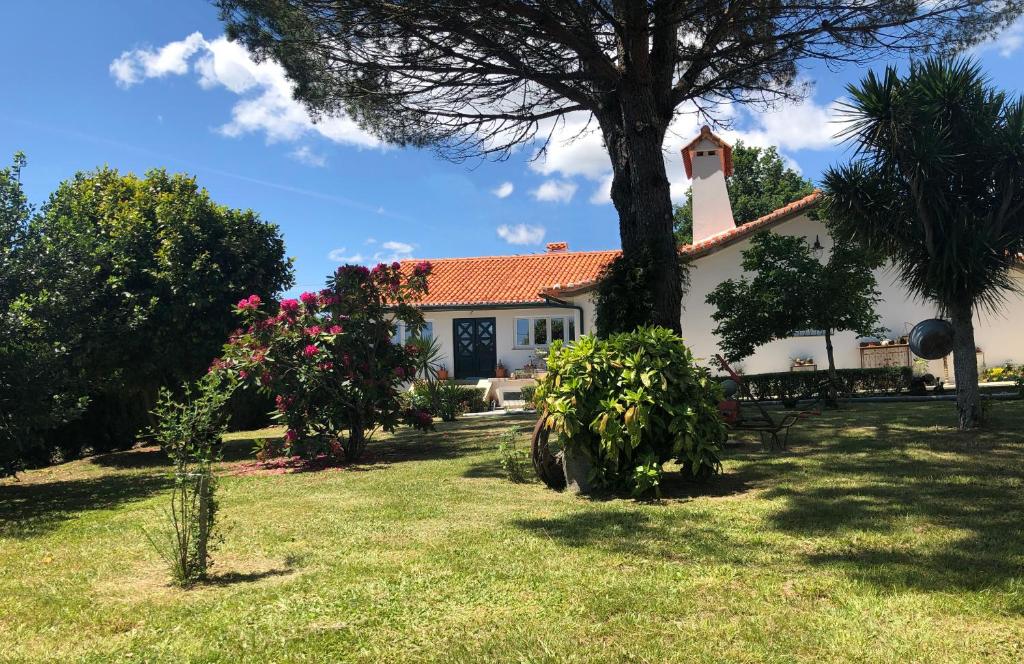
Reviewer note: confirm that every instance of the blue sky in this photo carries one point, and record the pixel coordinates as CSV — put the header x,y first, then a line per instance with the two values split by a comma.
x,y
145,83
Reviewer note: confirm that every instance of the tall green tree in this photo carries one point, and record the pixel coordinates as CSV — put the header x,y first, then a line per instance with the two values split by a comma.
x,y
481,77
760,184
136,277
36,392
936,189
792,290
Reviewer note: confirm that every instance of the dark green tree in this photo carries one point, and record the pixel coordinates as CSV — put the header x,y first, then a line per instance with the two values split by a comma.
x,y
792,290
936,190
36,392
136,278
481,77
760,184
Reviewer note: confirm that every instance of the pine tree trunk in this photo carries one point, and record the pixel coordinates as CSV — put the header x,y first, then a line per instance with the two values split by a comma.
x,y
832,398
634,132
965,367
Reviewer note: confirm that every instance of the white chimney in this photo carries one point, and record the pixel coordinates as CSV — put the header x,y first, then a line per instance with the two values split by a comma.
x,y
708,161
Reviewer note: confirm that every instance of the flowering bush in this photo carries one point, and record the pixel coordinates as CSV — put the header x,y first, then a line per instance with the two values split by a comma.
x,y
328,359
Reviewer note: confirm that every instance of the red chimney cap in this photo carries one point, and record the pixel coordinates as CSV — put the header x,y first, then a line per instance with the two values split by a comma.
x,y
556,247
725,155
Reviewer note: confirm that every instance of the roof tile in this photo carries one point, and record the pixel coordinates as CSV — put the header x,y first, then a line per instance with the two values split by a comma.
x,y
524,279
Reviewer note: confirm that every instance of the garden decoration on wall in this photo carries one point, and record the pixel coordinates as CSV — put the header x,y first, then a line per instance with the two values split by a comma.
x,y
329,361
932,339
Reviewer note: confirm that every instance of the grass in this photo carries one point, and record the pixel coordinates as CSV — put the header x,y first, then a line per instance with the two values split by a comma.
x,y
881,535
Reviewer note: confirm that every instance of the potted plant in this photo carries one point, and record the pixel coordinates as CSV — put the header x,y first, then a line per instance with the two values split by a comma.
x,y
500,371
442,372
803,364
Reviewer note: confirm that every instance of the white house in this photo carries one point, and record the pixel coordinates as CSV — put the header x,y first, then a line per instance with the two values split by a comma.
x,y
492,309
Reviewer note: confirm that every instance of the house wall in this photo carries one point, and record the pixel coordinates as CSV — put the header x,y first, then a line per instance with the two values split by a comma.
x,y
513,358
999,335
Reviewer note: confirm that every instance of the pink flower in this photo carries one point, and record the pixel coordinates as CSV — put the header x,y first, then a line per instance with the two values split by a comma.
x,y
265,379
289,306
309,299
396,266
283,403
422,268
313,330
291,436
400,372
310,350
251,302
243,374
335,329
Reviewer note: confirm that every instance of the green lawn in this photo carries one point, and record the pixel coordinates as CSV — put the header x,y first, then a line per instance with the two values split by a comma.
x,y
881,535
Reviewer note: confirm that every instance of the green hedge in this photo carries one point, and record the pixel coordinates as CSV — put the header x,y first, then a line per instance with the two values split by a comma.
x,y
792,385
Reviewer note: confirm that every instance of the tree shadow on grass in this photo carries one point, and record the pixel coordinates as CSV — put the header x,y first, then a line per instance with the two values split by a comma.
x,y
232,578
899,501
639,534
151,456
32,509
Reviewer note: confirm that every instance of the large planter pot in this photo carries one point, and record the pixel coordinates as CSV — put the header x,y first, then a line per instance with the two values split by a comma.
x,y
577,467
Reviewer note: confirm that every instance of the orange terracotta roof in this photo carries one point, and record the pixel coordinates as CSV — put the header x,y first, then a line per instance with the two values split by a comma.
x,y
706,133
504,280
525,279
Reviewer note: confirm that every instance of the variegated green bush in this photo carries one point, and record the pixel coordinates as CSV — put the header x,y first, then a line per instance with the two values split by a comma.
x,y
631,403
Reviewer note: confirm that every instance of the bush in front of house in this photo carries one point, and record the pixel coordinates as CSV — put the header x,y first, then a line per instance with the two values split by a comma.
x,y
529,394
631,403
328,358
446,398
789,386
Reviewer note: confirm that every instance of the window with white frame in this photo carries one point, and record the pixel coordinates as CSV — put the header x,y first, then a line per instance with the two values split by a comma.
x,y
539,332
403,334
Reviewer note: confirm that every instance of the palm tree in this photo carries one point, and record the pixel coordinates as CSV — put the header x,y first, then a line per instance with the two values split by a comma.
x,y
937,187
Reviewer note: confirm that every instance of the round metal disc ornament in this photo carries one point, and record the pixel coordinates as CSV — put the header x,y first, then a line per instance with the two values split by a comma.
x,y
932,339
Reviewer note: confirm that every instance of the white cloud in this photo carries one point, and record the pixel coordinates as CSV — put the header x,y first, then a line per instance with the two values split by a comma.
x,y
305,155
555,191
521,234
398,247
1005,43
576,148
266,105
392,250
806,126
133,66
790,127
339,256
603,193
504,190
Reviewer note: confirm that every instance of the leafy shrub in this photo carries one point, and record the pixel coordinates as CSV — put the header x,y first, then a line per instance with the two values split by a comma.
x,y
634,399
190,432
512,459
1007,372
267,449
794,385
529,393
328,358
446,398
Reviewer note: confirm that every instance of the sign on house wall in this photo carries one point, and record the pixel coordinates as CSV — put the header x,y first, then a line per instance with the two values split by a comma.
x,y
892,355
